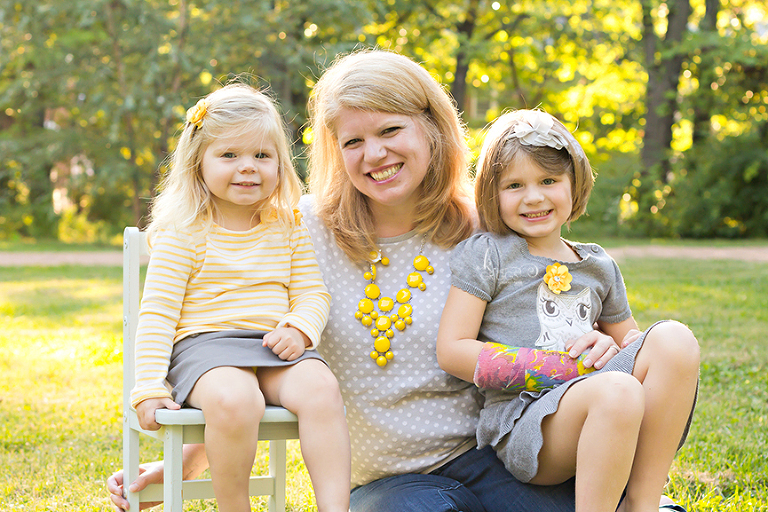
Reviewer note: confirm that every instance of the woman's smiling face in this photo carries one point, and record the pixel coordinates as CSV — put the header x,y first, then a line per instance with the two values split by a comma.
x,y
386,156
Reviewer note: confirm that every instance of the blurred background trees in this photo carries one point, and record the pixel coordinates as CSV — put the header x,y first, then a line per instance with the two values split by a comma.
x,y
669,99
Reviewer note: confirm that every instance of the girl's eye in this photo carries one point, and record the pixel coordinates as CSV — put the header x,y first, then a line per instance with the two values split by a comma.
x,y
514,185
549,181
228,154
262,155
390,130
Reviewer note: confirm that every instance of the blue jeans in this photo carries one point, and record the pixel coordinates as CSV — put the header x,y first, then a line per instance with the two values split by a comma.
x,y
476,481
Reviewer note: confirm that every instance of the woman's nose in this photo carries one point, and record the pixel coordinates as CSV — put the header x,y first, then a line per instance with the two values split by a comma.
x,y
374,151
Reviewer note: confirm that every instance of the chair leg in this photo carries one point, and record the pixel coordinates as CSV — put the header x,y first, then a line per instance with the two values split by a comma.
x,y
130,462
277,463
172,446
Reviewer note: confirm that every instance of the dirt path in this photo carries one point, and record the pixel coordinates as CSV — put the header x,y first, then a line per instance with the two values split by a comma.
x,y
115,258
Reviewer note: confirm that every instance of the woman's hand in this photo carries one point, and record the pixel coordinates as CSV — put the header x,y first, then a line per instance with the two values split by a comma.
x,y
601,349
150,473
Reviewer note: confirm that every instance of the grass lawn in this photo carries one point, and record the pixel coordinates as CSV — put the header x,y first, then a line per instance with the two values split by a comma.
x,y
60,382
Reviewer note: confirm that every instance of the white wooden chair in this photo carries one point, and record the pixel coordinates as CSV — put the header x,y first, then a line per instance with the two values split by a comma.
x,y
185,425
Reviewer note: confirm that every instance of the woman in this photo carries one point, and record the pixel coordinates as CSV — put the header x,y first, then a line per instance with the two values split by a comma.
x,y
388,177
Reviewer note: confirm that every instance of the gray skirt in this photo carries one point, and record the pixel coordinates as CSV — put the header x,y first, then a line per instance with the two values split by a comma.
x,y
519,447
199,353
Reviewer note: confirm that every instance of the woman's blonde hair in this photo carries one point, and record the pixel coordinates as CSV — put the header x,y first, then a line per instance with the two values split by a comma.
x,y
383,81
184,199
500,149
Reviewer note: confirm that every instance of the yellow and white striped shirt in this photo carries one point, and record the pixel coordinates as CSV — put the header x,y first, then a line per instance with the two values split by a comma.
x,y
259,279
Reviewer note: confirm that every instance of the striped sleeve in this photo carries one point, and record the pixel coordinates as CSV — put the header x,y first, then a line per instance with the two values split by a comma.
x,y
308,297
170,265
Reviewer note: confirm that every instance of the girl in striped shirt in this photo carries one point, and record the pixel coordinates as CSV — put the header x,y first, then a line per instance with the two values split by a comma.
x,y
234,302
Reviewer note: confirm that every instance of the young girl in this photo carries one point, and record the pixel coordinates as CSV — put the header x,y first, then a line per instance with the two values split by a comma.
x,y
521,295
234,302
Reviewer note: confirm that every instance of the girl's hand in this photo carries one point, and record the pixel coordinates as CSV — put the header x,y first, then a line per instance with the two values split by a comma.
x,y
287,342
146,411
601,348
631,337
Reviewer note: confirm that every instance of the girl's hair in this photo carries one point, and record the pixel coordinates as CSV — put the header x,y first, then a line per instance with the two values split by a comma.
x,y
503,144
237,108
383,81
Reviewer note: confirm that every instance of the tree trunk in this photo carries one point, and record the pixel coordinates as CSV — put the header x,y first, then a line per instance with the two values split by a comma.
x,y
702,108
464,30
663,80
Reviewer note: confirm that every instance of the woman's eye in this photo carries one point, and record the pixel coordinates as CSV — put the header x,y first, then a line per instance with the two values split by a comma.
x,y
351,142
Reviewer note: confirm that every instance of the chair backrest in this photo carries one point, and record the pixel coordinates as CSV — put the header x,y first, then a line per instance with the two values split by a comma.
x,y
135,247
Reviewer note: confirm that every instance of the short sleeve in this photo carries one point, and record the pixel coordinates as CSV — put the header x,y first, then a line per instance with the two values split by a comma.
x,y
475,266
616,304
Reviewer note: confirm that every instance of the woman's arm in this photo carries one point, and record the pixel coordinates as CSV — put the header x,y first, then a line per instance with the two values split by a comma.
x,y
457,346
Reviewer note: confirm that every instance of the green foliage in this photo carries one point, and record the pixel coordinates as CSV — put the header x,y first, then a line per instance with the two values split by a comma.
x,y
92,94
724,193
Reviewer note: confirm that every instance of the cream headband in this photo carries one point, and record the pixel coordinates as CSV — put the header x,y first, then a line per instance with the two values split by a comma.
x,y
534,128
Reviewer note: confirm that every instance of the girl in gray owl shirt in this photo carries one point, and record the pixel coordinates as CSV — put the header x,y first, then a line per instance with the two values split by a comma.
x,y
523,301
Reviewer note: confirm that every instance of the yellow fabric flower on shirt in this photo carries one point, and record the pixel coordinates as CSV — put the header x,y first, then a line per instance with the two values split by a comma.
x,y
196,114
558,278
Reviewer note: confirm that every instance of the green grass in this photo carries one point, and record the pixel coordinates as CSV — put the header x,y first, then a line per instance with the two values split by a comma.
x,y
60,385
26,245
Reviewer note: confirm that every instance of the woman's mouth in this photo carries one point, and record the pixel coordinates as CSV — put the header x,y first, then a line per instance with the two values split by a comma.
x,y
385,173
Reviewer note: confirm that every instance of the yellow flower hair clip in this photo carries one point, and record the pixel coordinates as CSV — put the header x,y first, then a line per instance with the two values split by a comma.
x,y
196,114
558,278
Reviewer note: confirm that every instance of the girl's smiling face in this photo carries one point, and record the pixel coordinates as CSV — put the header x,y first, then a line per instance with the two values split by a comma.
x,y
386,156
534,204
241,172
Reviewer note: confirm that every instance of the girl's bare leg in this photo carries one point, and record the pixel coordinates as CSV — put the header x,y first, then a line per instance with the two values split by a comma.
x,y
668,367
593,435
233,406
309,390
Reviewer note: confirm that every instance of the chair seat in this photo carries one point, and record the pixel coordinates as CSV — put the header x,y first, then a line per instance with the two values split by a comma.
x,y
190,416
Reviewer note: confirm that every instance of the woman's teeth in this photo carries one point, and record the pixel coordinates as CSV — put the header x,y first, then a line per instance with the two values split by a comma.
x,y
386,173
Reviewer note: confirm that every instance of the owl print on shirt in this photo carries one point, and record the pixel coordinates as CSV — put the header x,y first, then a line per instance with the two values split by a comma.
x,y
562,318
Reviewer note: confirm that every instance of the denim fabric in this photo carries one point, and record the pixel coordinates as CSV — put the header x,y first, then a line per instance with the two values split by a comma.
x,y
476,481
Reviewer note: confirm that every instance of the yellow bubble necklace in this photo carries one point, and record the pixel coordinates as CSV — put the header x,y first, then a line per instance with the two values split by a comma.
x,y
385,318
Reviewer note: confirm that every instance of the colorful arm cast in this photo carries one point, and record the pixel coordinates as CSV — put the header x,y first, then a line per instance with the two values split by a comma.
x,y
525,369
